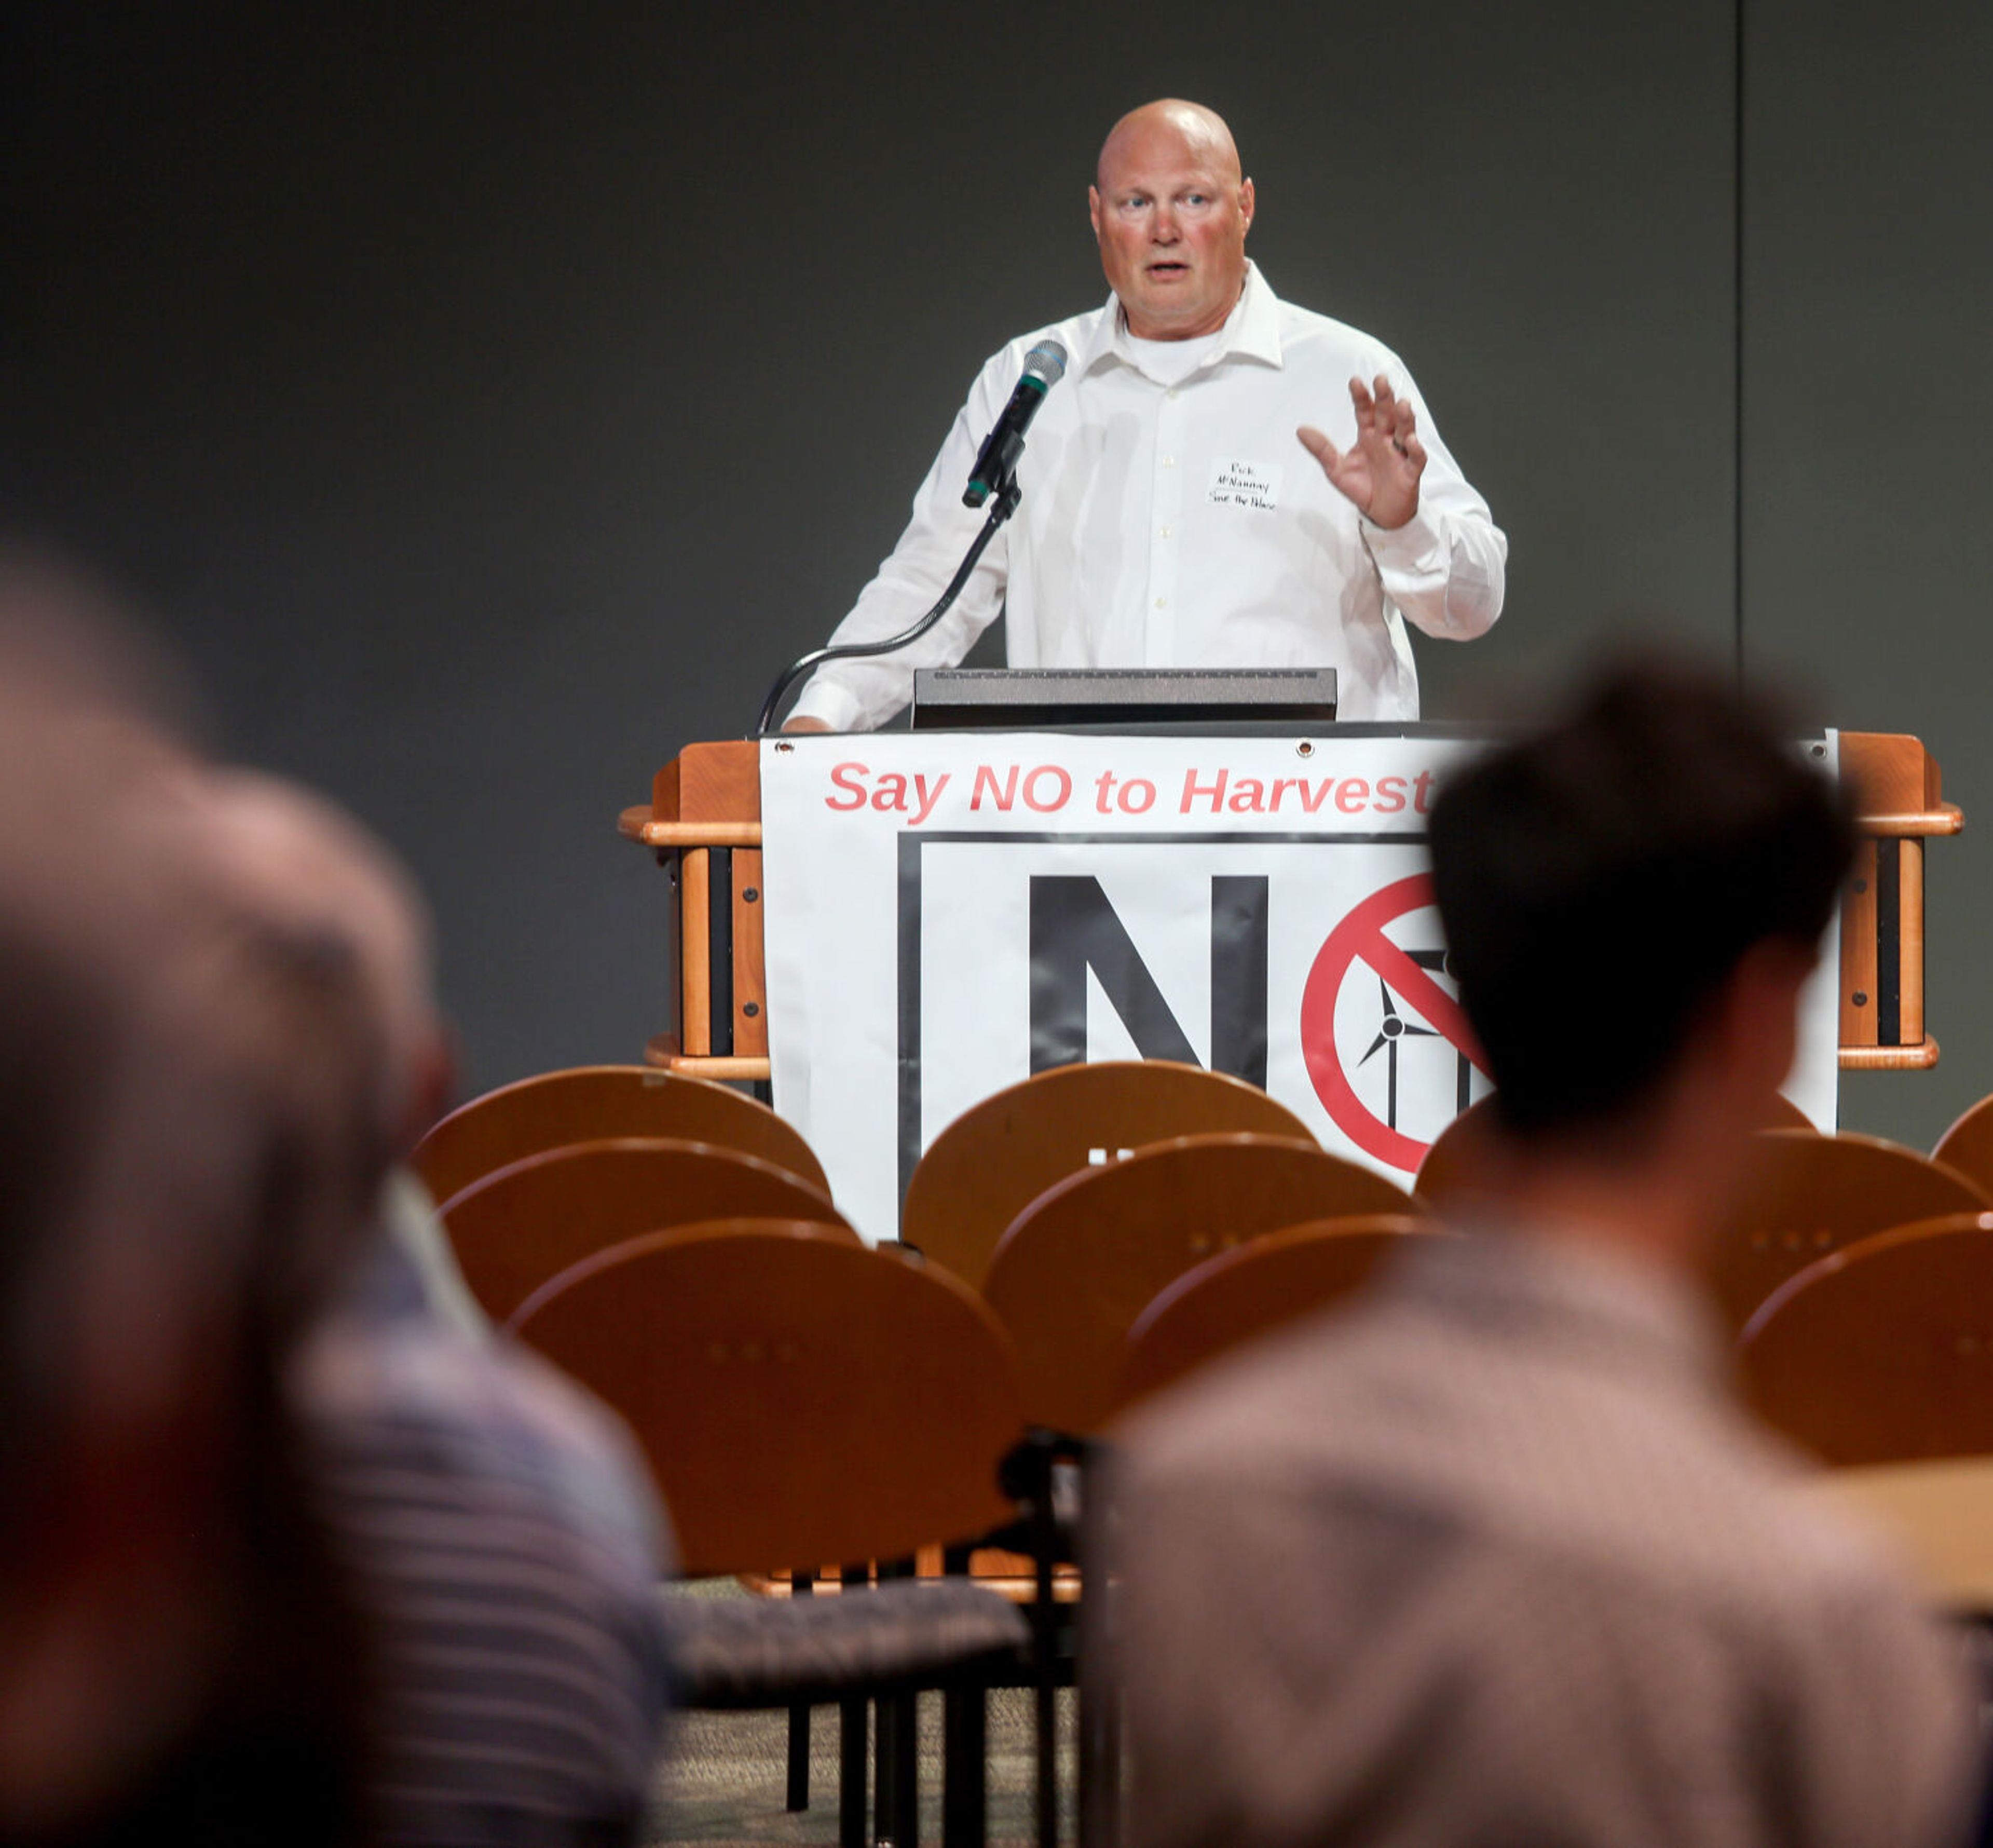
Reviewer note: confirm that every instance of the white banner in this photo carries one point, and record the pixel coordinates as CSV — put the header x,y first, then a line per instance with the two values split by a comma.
x,y
946,913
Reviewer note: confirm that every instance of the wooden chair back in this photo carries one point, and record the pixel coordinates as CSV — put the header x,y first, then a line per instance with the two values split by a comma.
x,y
1463,1150
1080,1264
698,1229
1457,1155
1249,1292
992,1161
515,1229
802,1401
597,1103
1807,1194
1968,1146
1882,1351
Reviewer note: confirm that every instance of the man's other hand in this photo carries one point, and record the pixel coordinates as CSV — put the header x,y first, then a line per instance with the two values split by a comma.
x,y
803,722
1379,472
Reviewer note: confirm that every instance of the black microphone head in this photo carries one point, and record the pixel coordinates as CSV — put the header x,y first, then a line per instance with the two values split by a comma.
x,y
1047,362
1045,366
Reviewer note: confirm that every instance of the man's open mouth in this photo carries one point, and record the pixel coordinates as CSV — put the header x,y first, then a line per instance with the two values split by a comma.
x,y
1169,269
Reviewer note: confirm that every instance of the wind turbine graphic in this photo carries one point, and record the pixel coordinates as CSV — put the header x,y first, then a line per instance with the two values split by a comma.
x,y
1393,1029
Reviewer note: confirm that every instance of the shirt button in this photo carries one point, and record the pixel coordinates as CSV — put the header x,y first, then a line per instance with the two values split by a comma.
x,y
1169,461
1172,392
1169,532
1162,603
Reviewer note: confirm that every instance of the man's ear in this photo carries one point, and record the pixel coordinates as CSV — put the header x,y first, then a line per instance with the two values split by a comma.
x,y
432,1085
1245,203
1093,208
1760,1012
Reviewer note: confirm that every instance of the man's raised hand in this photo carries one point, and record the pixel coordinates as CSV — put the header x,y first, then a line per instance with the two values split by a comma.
x,y
1379,471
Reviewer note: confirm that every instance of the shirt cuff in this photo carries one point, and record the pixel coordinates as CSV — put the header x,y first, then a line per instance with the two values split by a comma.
x,y
837,706
1418,546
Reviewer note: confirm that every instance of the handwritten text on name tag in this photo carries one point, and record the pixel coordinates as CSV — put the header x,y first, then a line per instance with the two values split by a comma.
x,y
1253,485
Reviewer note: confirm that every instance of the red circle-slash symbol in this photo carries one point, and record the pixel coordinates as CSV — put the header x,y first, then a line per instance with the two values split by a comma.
x,y
1360,938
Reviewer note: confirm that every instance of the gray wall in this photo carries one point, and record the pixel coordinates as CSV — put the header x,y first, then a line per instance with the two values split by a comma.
x,y
457,402
1868,216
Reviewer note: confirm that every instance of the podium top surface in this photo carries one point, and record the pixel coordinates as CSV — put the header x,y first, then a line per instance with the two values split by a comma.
x,y
1035,699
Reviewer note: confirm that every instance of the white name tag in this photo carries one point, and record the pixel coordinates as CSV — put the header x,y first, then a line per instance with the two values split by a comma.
x,y
1253,485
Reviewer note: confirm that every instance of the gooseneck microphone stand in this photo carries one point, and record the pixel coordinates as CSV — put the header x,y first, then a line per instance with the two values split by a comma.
x,y
1003,498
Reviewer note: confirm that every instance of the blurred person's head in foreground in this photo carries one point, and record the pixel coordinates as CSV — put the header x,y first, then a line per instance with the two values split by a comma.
x,y
282,853
1634,899
192,1133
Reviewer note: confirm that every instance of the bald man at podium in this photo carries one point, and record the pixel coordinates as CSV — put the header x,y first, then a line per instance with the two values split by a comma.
x,y
1222,480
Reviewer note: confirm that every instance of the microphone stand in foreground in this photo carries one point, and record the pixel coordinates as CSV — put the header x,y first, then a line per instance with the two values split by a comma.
x,y
1002,503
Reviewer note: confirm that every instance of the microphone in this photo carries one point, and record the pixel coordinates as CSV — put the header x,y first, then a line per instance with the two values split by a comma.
x,y
997,461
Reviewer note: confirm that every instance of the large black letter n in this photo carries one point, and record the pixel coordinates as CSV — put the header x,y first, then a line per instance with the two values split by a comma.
x,y
1073,927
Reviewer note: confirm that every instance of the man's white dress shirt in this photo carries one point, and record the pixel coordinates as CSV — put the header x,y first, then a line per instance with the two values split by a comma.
x,y
1178,522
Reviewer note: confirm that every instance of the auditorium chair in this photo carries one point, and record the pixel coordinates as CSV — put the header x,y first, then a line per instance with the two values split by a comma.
x,y
1447,1171
1806,1196
594,1103
1882,1351
527,1222
1080,1263
1968,1146
993,1160
804,1399
1878,1359
1252,1290
1451,1163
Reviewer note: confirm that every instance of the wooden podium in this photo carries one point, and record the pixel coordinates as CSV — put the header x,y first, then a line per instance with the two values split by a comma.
x,y
704,823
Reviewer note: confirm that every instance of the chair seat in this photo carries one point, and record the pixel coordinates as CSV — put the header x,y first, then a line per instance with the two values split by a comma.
x,y
764,1652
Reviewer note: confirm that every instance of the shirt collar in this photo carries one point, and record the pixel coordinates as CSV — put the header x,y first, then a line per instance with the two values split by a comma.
x,y
1566,1293
1252,330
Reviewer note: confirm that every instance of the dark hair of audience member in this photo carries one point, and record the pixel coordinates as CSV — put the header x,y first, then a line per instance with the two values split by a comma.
x,y
1619,865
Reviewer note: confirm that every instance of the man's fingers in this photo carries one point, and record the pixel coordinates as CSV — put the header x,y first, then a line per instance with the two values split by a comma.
x,y
1318,445
1387,400
1366,411
1415,452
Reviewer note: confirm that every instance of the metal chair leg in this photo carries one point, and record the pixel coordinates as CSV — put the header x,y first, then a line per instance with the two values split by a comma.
x,y
1027,1477
797,1795
964,1731
885,1773
853,1581
896,1765
851,1811
1045,1624
965,1803
1100,1765
905,1715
